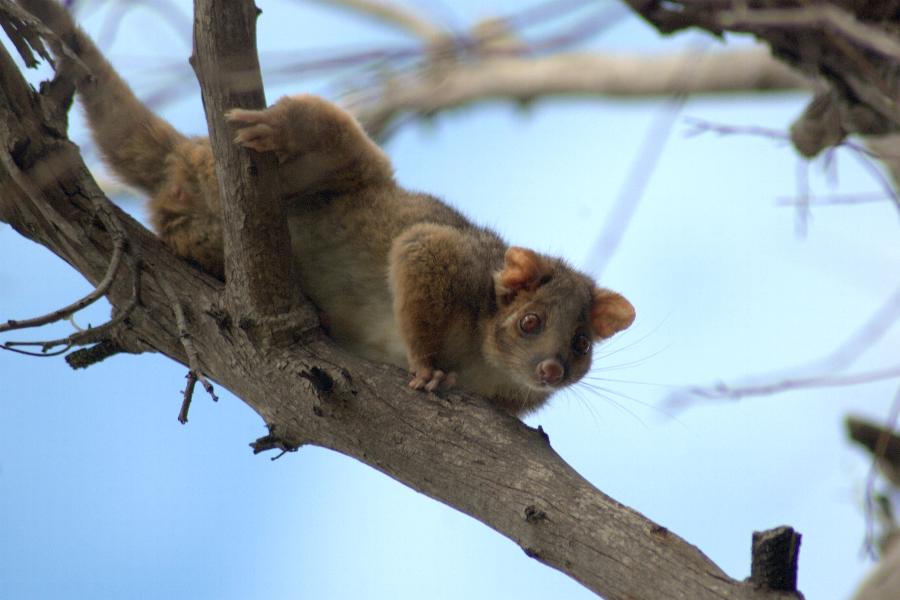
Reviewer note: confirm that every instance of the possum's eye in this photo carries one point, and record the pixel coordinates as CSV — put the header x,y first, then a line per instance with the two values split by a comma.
x,y
530,323
581,345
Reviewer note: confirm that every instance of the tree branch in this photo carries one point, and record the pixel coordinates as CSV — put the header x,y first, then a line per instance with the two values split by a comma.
x,y
257,257
592,75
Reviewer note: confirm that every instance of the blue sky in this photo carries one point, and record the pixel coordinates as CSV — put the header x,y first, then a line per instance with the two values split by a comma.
x,y
103,494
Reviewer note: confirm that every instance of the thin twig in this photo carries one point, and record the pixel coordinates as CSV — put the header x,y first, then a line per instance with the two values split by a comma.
x,y
187,342
188,395
836,199
90,335
865,156
632,191
724,391
67,311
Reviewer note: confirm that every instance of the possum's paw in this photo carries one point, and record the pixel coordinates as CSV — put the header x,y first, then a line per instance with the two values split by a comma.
x,y
432,380
257,129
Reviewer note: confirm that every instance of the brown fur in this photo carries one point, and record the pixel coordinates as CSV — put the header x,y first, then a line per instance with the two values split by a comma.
x,y
401,277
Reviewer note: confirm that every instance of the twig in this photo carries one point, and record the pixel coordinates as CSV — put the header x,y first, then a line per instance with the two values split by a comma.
x,y
801,208
188,394
91,335
698,126
187,342
821,369
865,159
273,442
724,391
836,199
861,153
632,191
642,167
65,312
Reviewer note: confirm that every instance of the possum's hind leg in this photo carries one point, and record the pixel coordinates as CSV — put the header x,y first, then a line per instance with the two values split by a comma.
x,y
321,147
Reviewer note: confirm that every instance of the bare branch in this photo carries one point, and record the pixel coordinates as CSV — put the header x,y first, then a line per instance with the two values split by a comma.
x,y
629,197
592,75
67,311
91,335
724,391
862,154
837,199
184,336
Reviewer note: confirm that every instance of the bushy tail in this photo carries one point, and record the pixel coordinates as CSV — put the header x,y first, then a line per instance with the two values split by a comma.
x,y
134,141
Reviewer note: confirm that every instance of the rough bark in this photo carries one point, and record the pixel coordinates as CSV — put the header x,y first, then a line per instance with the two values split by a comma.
x,y
457,449
255,233
851,45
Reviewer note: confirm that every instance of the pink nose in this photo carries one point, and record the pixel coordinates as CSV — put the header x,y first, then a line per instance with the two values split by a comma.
x,y
550,371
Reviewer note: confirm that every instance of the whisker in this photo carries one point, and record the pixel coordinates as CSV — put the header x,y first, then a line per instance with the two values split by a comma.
x,y
590,377
633,363
604,393
634,343
579,397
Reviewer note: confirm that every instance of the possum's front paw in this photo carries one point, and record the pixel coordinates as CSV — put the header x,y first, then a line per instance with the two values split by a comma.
x,y
432,380
257,129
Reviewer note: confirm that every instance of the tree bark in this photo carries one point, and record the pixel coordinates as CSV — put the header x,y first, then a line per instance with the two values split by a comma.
x,y
257,270
456,449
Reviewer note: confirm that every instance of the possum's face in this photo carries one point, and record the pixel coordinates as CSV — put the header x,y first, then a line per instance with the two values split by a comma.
x,y
549,317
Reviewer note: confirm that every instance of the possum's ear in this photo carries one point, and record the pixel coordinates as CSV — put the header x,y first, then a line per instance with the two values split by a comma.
x,y
523,270
610,313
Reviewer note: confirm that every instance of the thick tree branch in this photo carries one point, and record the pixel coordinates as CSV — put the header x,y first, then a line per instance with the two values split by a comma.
x,y
458,450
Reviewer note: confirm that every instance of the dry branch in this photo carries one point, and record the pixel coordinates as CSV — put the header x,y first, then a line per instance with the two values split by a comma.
x,y
581,75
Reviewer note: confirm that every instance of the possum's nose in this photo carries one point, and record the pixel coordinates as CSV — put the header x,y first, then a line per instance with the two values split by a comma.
x,y
550,371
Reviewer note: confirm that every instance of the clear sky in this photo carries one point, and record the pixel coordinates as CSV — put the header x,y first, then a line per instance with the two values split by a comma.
x,y
103,494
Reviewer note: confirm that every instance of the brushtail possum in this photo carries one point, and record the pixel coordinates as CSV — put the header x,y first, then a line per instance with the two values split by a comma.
x,y
401,277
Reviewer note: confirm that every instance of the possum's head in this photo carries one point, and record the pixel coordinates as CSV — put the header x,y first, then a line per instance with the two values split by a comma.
x,y
549,316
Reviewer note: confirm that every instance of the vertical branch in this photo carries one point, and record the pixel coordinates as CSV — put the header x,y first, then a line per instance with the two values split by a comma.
x,y
257,257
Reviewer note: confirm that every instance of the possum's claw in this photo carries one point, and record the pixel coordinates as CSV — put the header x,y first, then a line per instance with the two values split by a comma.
x,y
432,380
255,129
